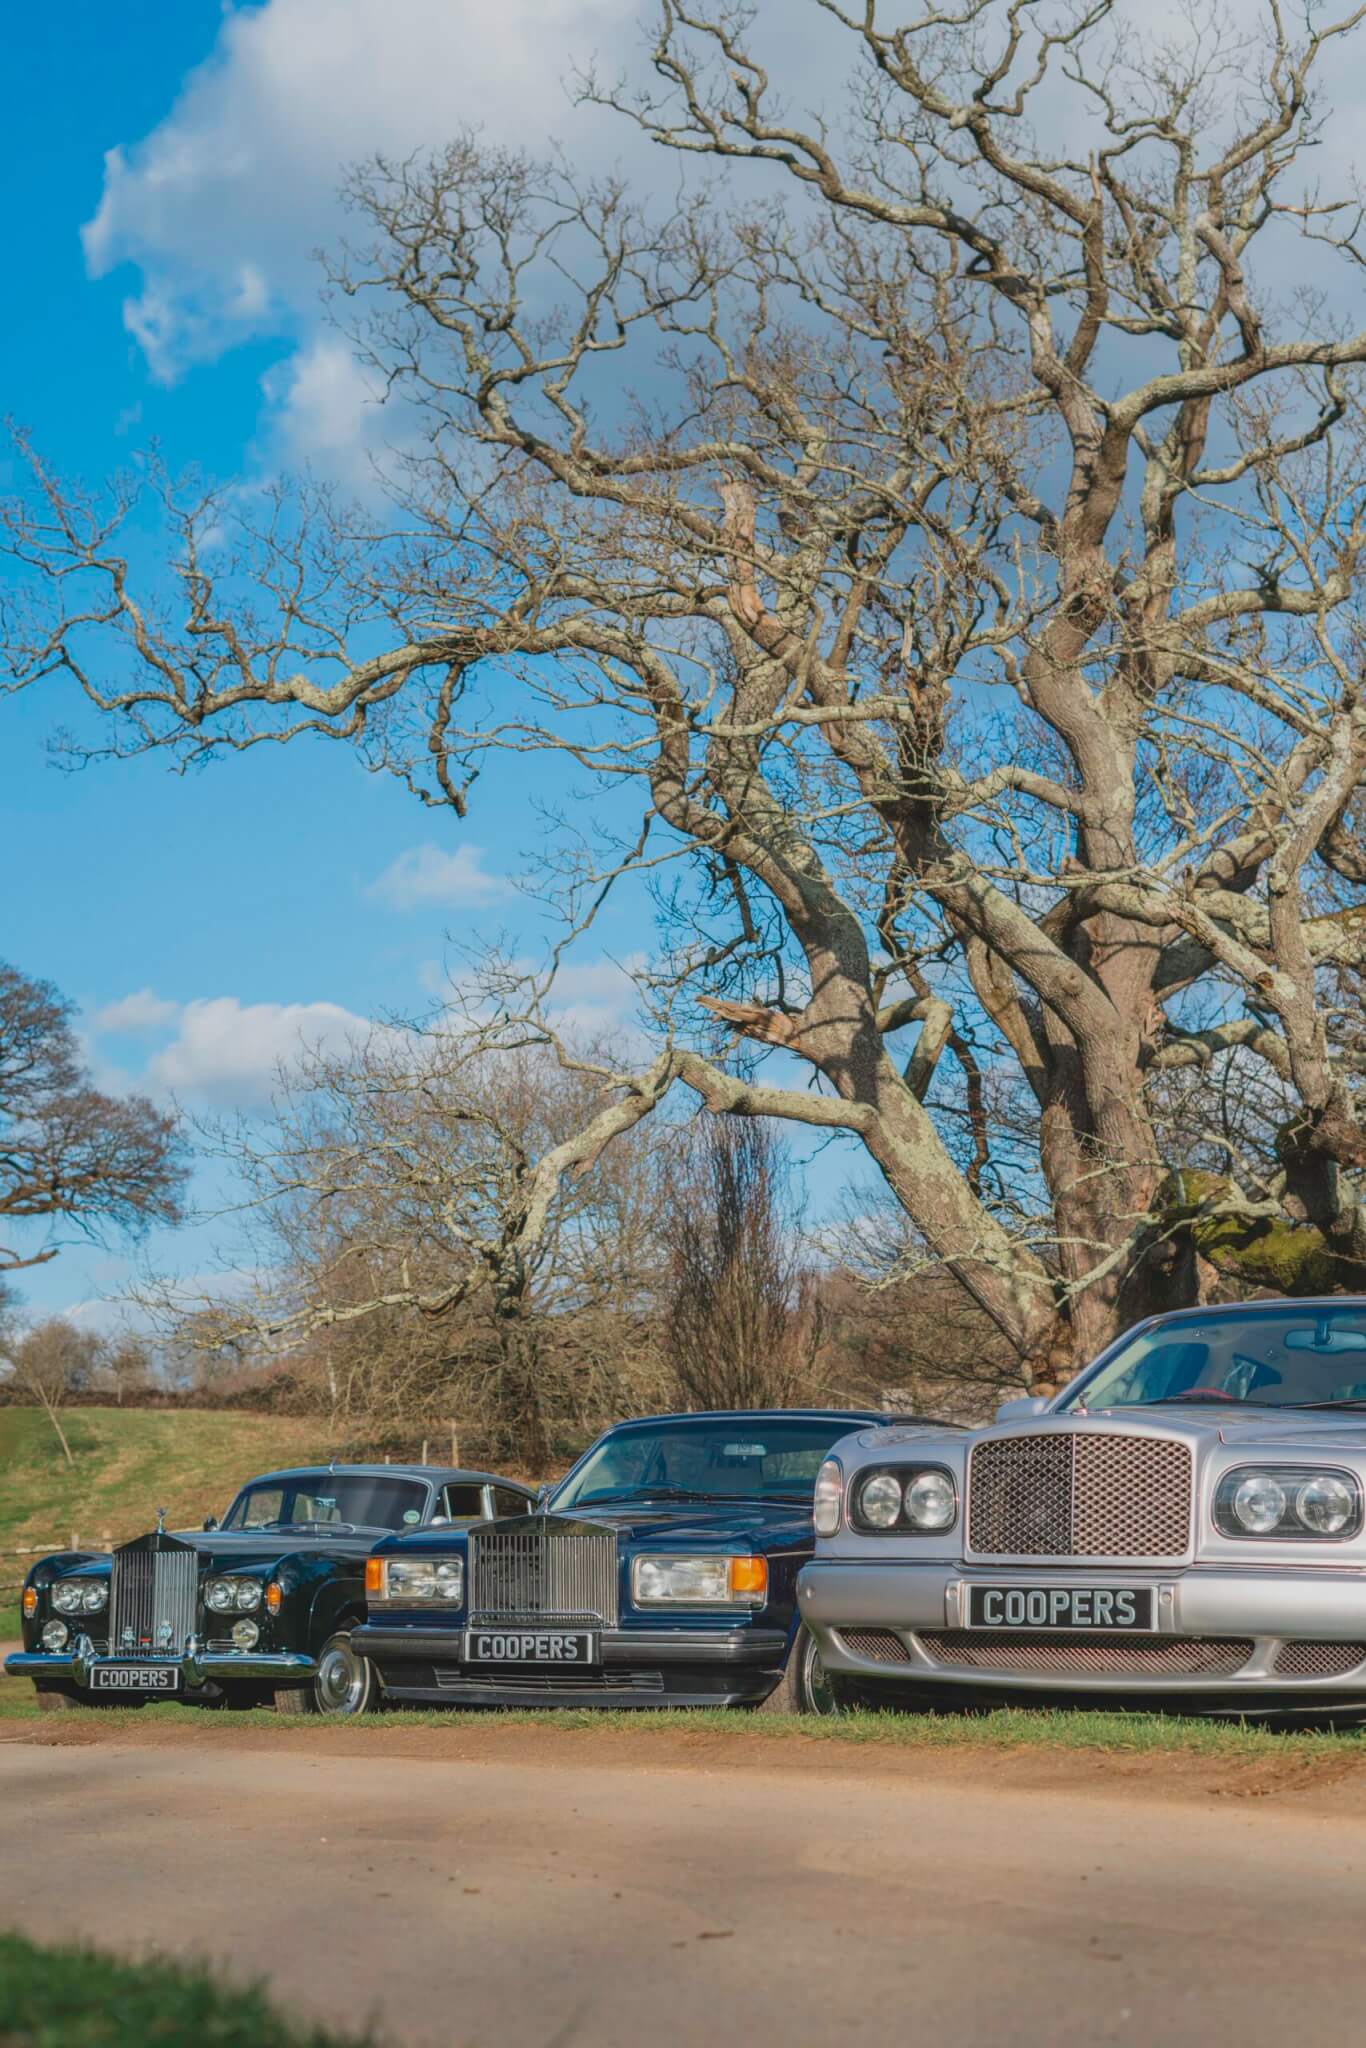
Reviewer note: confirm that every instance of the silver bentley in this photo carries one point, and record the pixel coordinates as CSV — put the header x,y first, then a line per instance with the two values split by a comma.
x,y
1183,1522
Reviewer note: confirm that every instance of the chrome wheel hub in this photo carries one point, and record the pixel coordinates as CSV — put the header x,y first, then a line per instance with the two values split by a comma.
x,y
820,1694
341,1680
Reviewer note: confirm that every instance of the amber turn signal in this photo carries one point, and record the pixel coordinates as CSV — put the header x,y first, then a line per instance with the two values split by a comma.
x,y
374,1575
30,1603
748,1575
275,1597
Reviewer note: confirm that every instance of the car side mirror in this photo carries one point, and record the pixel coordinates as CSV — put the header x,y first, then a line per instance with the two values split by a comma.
x,y
1022,1405
210,1521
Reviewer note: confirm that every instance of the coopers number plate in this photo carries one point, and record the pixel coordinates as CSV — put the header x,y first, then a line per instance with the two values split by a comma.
x,y
134,1678
557,1647
1049,1607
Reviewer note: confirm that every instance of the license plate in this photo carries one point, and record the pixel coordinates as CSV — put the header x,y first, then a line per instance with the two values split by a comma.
x,y
539,1646
134,1678
1049,1607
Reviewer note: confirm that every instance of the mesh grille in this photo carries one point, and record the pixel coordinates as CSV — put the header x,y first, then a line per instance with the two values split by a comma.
x,y
1079,1493
541,1568
152,1599
878,1645
551,1685
1318,1660
1090,1656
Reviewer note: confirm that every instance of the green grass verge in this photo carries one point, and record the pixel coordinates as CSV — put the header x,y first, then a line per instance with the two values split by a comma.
x,y
9,1622
75,1998
1003,1728
129,1462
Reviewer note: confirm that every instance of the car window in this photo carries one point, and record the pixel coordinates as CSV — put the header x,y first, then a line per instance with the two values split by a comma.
x,y
463,1503
729,1457
1272,1357
361,1500
507,1502
264,1504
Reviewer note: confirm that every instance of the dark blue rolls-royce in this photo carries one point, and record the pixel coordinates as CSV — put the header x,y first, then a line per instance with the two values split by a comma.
x,y
661,1571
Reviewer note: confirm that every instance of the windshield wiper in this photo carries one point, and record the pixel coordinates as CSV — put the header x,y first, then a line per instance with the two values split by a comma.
x,y
1197,1401
1347,1401
646,1492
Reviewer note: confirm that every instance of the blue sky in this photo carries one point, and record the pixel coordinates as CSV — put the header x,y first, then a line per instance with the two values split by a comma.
x,y
170,169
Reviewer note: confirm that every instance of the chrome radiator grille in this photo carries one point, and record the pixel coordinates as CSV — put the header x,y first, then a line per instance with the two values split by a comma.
x,y
1079,1493
152,1599
539,1569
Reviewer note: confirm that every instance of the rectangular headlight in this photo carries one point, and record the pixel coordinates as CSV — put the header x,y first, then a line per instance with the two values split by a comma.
x,y
417,1581
672,1581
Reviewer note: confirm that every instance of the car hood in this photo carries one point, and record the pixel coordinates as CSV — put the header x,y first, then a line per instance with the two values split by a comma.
x,y
232,1548
759,1524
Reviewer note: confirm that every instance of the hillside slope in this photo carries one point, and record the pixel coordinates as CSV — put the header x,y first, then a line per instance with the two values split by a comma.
x,y
130,1462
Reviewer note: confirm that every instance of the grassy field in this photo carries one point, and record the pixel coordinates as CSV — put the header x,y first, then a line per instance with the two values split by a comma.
x,y
1001,1729
76,1998
128,1462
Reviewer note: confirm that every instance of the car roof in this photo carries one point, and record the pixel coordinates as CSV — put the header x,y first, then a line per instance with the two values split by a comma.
x,y
438,1475
755,1415
1298,1304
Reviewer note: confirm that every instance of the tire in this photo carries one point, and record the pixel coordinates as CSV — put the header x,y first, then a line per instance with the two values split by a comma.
x,y
294,1699
805,1686
344,1686
55,1699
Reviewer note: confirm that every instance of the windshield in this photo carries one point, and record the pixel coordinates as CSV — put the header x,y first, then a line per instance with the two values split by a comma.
x,y
326,1499
734,1458
1276,1358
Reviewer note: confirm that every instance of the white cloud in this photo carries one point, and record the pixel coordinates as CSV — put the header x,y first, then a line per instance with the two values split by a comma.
x,y
227,1053
326,411
137,1015
221,205
425,876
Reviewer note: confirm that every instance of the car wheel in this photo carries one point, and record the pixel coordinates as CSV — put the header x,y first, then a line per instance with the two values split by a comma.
x,y
55,1699
805,1686
345,1684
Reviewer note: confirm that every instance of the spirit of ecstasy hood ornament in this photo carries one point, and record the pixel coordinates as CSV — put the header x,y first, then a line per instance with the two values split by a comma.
x,y
161,1521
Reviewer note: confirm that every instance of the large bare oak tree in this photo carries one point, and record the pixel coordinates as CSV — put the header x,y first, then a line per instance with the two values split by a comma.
x,y
948,522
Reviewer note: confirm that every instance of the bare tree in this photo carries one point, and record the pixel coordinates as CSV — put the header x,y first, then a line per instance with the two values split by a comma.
x,y
970,584
386,1206
50,1361
68,1153
742,1320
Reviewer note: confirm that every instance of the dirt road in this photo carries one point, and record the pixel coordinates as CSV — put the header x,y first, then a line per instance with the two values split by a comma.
x,y
493,1901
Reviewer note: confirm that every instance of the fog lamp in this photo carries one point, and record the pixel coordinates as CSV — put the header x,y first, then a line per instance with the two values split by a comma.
x,y
55,1635
246,1634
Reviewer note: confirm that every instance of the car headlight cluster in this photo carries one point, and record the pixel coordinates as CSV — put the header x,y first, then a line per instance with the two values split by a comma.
x,y
416,1581
1294,1501
671,1580
80,1596
232,1596
904,1500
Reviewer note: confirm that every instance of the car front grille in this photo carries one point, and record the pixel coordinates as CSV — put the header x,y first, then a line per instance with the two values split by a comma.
x,y
1081,1655
878,1645
544,1568
1318,1660
1079,1493
551,1685
152,1599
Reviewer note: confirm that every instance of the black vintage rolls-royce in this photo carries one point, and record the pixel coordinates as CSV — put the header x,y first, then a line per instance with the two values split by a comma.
x,y
259,1606
661,1571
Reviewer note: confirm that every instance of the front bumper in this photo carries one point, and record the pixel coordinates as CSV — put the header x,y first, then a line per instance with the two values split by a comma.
x,y
198,1665
640,1667
1286,1618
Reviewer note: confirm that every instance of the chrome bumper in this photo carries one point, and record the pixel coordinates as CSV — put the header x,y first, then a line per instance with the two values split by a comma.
x,y
767,1646
1272,1608
197,1664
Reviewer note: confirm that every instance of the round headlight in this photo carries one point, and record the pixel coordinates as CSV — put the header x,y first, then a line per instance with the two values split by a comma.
x,y
55,1635
930,1501
67,1595
1259,1503
1325,1504
879,1501
248,1594
246,1634
220,1595
95,1597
